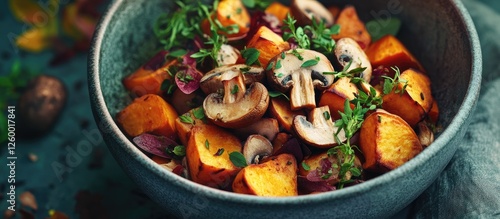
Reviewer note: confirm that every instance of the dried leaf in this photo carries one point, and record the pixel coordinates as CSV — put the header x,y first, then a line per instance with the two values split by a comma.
x,y
57,215
28,199
28,11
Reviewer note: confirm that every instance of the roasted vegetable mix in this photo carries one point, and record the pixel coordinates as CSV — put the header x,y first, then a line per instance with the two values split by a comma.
x,y
261,98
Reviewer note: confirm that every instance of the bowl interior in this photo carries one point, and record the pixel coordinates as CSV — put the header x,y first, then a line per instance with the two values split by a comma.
x,y
439,33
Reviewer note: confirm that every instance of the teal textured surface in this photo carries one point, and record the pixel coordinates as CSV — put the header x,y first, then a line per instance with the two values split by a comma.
x,y
468,187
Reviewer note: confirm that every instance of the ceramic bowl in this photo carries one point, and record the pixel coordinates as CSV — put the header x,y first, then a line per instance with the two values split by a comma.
x,y
440,34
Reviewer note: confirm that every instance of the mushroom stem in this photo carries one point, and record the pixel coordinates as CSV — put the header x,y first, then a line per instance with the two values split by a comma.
x,y
234,89
302,93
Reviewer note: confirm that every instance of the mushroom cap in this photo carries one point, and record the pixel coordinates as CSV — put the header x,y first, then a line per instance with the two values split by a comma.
x,y
267,127
250,108
347,49
227,55
304,11
319,130
256,148
211,82
281,78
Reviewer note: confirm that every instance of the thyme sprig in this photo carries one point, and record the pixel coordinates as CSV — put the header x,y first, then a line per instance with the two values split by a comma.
x,y
391,84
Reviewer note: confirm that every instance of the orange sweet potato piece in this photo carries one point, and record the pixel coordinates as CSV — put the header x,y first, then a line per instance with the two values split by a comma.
x,y
268,43
351,26
146,81
335,96
279,10
183,128
415,102
387,142
207,154
281,110
388,51
275,177
230,12
148,114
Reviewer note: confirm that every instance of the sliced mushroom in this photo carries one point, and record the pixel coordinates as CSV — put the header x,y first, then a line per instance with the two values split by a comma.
x,y
267,127
212,80
305,10
256,148
237,106
347,50
425,134
288,73
319,130
227,55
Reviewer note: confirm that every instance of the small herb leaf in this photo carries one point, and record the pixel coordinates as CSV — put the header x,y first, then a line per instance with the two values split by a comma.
x,y
238,159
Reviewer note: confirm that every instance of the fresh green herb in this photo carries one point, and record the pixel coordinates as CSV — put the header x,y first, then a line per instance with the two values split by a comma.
x,y
207,144
326,114
219,152
245,69
11,84
180,150
379,28
310,62
296,53
186,118
238,159
177,53
199,113
283,55
235,89
257,4
278,64
184,77
322,36
368,100
216,40
178,27
296,33
270,66
305,166
346,72
391,84
251,56
350,122
279,75
168,86
239,10
277,94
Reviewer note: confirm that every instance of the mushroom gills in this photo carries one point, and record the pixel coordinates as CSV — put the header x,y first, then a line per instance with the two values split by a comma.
x,y
256,148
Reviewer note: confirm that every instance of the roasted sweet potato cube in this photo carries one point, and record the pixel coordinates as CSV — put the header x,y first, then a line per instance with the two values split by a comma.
x,y
335,96
352,27
279,10
268,43
334,10
148,114
387,142
388,51
187,121
281,110
148,81
207,156
415,102
313,162
275,177
228,13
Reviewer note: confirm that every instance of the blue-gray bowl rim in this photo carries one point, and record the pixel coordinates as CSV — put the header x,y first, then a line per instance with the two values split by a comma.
x,y
465,109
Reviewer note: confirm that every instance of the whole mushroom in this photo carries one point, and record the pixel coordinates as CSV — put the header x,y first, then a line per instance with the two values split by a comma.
x,y
236,106
300,71
256,148
348,51
211,82
306,10
319,130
